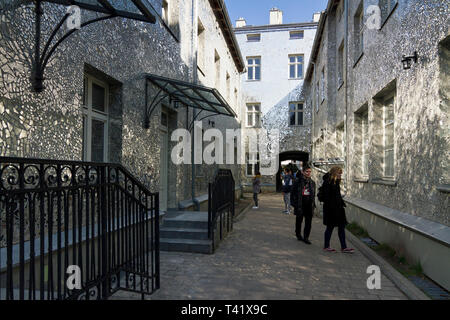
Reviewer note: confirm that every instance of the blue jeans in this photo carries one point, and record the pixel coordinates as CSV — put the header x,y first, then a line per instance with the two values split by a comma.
x,y
341,234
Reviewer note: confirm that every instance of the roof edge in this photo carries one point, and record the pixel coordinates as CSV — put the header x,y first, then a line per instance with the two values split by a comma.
x,y
221,13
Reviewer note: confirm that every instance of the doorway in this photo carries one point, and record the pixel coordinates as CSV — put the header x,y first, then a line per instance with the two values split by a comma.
x,y
293,156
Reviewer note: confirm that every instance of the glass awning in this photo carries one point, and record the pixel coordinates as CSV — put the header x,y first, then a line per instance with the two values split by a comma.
x,y
131,9
193,95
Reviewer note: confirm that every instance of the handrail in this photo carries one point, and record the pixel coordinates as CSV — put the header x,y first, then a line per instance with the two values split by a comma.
x,y
6,160
96,216
220,201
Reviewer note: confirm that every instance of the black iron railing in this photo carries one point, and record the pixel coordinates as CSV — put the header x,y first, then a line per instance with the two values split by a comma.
x,y
220,203
75,230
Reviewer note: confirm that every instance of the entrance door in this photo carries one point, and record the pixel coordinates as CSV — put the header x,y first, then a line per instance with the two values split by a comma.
x,y
163,184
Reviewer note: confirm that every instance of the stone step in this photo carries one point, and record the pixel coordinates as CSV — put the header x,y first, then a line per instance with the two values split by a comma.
x,y
184,233
186,219
186,245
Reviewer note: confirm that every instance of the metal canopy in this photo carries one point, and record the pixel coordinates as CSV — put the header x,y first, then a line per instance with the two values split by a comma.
x,y
188,94
134,9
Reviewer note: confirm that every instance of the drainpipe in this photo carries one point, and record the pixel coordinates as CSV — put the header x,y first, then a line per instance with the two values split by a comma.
x,y
346,98
312,112
194,110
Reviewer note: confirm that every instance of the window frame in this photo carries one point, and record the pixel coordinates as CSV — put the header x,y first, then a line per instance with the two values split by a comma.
x,y
296,113
296,32
89,114
322,85
295,64
358,33
253,166
253,112
365,143
389,12
254,66
253,34
387,148
341,68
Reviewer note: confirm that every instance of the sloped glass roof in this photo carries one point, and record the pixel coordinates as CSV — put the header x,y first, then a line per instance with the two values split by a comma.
x,y
131,9
193,95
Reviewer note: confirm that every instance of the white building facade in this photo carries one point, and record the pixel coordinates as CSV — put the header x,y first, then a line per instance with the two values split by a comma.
x,y
276,57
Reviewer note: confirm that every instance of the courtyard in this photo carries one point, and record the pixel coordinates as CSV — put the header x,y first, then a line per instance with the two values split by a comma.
x,y
261,259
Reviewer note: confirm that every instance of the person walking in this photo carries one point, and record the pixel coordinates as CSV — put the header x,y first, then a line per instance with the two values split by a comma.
x,y
302,199
286,190
333,208
256,188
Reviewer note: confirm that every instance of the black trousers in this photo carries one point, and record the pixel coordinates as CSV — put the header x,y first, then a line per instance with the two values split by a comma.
x,y
255,198
307,213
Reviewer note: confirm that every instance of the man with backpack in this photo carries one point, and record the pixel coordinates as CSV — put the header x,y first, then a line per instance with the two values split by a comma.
x,y
302,199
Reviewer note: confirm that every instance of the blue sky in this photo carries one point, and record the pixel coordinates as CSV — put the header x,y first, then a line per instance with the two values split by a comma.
x,y
256,12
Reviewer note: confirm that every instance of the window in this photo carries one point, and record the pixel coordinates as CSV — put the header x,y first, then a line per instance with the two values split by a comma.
x,y
317,96
170,16
359,32
296,35
254,37
386,7
227,81
340,11
296,113
254,68
253,115
296,66
217,68
252,161
361,141
365,143
322,85
201,46
165,12
95,120
388,137
340,63
340,141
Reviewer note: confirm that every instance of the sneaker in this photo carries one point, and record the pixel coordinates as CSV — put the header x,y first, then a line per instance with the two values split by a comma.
x,y
307,241
348,250
300,238
329,249
255,207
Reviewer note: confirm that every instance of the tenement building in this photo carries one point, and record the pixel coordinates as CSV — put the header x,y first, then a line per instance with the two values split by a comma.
x,y
115,90
378,87
276,57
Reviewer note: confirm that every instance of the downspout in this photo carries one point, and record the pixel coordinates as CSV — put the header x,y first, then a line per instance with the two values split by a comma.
x,y
312,112
194,110
346,100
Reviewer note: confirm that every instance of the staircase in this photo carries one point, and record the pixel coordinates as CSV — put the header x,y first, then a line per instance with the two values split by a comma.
x,y
185,231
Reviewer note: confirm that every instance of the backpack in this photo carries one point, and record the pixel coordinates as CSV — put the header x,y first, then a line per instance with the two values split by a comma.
x,y
321,194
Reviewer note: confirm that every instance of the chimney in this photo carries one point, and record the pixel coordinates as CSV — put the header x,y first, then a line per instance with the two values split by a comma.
x,y
240,23
276,16
316,17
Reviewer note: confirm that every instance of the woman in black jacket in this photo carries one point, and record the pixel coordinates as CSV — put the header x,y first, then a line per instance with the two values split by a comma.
x,y
333,209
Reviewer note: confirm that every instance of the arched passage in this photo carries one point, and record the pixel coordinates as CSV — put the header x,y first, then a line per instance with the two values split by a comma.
x,y
290,155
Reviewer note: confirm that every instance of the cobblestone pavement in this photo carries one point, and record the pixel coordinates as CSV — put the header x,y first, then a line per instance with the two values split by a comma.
x,y
262,259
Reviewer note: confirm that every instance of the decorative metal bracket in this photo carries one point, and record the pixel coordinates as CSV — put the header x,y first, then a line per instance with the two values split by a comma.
x,y
40,60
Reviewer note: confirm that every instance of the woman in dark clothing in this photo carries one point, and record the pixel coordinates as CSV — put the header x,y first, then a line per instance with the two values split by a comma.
x,y
333,209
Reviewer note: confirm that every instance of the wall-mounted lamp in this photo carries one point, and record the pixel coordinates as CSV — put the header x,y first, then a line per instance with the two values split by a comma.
x,y
407,60
175,103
